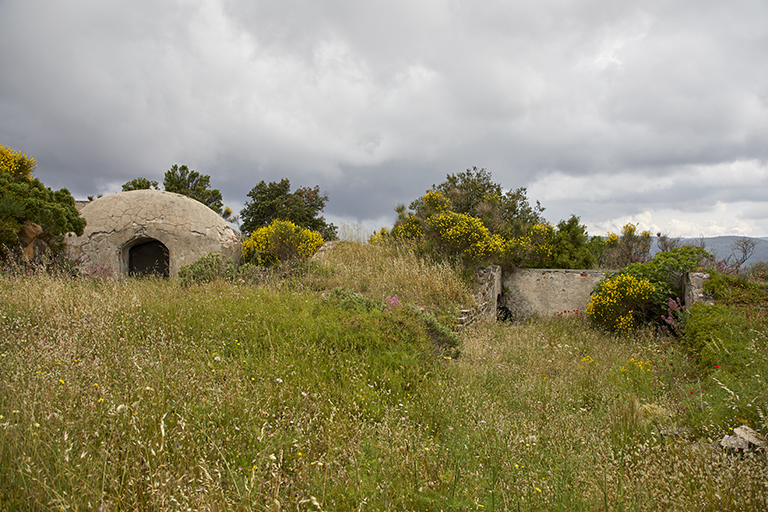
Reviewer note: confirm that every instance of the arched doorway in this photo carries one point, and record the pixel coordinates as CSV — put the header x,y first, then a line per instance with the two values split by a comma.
x,y
149,257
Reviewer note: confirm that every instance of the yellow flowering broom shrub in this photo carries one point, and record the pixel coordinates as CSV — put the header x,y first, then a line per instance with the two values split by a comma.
x,y
459,234
407,229
621,302
16,163
280,241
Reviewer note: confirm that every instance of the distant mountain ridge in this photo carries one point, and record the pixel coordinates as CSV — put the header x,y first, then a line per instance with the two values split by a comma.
x,y
721,247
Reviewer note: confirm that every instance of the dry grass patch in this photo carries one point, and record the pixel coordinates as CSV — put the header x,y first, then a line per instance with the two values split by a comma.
x,y
382,270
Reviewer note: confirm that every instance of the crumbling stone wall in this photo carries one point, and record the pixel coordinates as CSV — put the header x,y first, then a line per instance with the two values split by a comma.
x,y
486,295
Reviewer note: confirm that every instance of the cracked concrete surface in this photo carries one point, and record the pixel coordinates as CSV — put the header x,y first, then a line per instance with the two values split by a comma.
x,y
117,222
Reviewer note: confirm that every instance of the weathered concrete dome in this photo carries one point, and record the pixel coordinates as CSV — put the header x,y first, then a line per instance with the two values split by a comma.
x,y
149,231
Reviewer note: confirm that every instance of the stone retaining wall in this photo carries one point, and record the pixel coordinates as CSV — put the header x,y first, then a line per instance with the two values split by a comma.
x,y
546,292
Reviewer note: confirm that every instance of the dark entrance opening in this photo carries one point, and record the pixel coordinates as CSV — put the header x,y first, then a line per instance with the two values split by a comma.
x,y
148,258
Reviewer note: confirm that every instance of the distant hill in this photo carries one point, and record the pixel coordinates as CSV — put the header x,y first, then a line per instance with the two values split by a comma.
x,y
721,247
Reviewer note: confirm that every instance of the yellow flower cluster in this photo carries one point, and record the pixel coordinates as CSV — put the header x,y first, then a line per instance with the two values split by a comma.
x,y
408,229
16,162
625,323
436,201
615,300
464,234
379,237
640,365
280,241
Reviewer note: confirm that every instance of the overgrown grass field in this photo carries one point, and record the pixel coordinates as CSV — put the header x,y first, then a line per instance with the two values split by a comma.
x,y
141,394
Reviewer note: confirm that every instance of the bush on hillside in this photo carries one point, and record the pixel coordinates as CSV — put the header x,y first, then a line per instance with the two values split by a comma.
x,y
206,269
627,248
26,199
279,242
469,218
621,302
641,292
758,270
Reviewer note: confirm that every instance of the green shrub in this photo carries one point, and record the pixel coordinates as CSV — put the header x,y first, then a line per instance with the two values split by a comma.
x,y
758,270
350,300
207,269
718,337
443,338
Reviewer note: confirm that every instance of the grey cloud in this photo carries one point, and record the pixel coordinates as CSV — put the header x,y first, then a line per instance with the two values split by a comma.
x,y
374,102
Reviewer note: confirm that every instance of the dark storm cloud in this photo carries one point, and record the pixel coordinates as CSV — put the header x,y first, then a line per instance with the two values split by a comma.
x,y
653,112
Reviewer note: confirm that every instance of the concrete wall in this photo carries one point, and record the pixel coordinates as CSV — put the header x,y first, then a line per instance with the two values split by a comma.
x,y
547,292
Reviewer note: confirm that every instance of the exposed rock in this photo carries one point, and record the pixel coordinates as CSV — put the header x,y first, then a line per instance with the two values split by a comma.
x,y
27,237
694,289
744,438
734,443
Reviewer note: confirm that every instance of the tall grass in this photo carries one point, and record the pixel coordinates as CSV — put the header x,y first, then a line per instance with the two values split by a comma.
x,y
381,270
145,395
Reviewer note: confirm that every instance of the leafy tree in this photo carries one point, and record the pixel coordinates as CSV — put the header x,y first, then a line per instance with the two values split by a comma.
x,y
629,247
473,193
570,248
467,190
139,184
275,201
181,180
23,198
470,217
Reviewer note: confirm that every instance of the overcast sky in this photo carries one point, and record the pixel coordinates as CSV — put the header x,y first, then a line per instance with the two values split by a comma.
x,y
653,112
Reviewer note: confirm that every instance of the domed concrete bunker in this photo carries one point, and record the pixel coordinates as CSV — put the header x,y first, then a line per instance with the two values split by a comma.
x,y
149,232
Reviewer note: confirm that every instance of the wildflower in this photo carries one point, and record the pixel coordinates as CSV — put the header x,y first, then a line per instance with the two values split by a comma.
x,y
279,380
217,358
